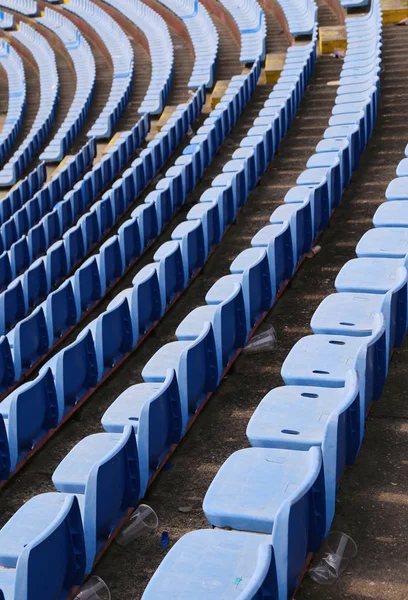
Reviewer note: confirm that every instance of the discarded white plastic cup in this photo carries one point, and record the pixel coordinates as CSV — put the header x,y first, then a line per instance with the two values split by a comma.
x,y
94,589
143,521
263,342
338,549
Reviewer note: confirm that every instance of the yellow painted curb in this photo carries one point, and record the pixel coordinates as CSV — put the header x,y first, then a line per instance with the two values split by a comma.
x,y
331,38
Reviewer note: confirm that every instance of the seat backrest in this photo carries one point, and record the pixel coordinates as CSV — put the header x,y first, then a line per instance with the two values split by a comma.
x,y
54,562
198,369
33,411
76,371
112,487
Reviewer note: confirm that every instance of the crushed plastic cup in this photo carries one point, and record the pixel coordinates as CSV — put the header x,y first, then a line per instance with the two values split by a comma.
x,y
263,342
142,522
94,589
337,551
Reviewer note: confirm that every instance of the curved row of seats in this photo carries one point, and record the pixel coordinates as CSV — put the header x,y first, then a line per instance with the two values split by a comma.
x,y
33,273
28,8
274,502
161,51
204,37
14,67
33,337
45,58
301,16
21,193
6,20
121,53
251,22
28,285
85,72
34,222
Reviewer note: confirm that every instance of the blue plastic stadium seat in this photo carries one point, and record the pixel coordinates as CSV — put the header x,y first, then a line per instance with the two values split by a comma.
x,y
60,311
146,216
75,372
299,216
169,266
56,263
283,494
154,412
29,341
113,336
228,321
392,214
35,286
87,285
277,241
299,417
110,263
12,306
251,269
324,359
102,471
190,236
36,241
225,201
397,189
209,215
46,530
5,270
195,364
143,300
29,413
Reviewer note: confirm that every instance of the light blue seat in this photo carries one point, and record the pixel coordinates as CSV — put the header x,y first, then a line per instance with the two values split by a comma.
x,y
75,372
299,417
397,189
272,490
352,133
168,262
102,470
110,263
209,215
392,214
162,200
143,299
299,216
60,311
246,158
129,241
34,281
190,236
325,359
87,285
383,242
29,413
342,147
5,270
146,216
12,306
228,323
276,240
153,410
29,341
113,336
319,206
224,197
219,562
251,269
195,364
44,535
